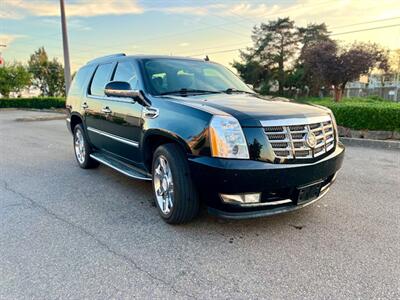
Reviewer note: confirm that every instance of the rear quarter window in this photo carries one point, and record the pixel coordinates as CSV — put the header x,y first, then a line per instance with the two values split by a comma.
x,y
80,81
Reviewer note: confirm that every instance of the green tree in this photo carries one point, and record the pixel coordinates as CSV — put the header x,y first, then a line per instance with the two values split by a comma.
x,y
13,78
253,73
48,75
336,66
274,47
310,35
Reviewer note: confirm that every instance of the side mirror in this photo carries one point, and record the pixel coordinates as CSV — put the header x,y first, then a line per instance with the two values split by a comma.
x,y
124,90
120,89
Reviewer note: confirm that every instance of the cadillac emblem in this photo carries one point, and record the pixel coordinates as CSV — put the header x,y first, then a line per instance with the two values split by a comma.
x,y
311,140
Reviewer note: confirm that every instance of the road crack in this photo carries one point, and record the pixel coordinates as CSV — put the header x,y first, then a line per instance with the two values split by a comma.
x,y
84,231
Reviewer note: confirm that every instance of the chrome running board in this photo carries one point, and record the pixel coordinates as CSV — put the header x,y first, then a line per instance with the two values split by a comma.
x,y
119,166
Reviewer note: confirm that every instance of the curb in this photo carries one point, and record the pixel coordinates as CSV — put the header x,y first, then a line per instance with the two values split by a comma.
x,y
40,118
44,110
393,145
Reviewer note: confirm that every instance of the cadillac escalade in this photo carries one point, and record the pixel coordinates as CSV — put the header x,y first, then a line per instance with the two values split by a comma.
x,y
201,135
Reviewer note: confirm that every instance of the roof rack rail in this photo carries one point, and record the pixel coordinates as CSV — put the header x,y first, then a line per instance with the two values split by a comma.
x,y
105,57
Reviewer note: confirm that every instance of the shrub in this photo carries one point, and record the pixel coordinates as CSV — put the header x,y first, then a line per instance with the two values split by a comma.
x,y
37,102
363,113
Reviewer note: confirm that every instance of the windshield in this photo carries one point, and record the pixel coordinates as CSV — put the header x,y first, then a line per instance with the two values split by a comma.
x,y
170,76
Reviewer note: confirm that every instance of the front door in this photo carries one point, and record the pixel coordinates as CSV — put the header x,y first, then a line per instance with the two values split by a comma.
x,y
123,125
124,116
117,126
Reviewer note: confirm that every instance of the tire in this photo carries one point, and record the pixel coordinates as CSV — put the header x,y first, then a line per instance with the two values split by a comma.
x,y
179,204
82,149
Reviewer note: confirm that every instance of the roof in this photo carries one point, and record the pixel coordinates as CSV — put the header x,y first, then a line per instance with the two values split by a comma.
x,y
139,56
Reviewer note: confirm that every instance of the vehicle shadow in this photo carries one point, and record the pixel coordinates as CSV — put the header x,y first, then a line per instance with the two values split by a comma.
x,y
143,204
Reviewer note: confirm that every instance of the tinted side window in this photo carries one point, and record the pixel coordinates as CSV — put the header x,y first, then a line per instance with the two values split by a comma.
x,y
79,80
126,72
100,79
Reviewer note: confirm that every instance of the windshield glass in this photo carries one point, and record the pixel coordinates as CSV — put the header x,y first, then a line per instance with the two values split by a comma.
x,y
169,76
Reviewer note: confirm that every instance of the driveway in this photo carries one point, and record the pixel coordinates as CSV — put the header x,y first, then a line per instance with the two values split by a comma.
x,y
71,233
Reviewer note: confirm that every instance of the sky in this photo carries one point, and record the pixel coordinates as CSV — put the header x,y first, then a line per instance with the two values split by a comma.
x,y
185,28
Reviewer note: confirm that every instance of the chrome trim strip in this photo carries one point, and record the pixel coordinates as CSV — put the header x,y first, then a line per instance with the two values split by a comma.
x,y
295,121
106,98
118,169
114,137
278,202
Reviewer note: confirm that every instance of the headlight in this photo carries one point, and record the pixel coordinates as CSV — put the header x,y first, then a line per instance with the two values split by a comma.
x,y
227,138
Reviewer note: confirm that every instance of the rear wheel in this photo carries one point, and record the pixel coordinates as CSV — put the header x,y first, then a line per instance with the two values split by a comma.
x,y
175,194
82,149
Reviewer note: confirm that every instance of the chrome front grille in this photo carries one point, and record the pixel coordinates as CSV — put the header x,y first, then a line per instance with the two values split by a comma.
x,y
288,137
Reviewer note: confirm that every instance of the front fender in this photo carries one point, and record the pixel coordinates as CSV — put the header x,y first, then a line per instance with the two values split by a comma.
x,y
185,125
162,133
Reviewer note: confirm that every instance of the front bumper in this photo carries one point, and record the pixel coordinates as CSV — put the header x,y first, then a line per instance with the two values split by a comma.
x,y
276,182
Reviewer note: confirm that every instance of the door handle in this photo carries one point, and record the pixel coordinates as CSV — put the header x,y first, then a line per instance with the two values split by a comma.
x,y
84,105
106,110
150,112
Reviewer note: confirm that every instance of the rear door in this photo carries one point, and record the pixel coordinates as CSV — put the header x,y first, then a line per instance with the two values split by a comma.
x,y
95,117
123,120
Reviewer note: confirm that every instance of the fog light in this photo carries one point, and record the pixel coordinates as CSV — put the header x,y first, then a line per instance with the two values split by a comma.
x,y
241,198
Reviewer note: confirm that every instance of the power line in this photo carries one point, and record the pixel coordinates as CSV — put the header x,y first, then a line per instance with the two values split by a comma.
x,y
280,12
335,34
367,29
190,31
217,26
363,23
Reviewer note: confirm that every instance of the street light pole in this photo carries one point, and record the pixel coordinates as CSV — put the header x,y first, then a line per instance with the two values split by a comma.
x,y
67,67
397,80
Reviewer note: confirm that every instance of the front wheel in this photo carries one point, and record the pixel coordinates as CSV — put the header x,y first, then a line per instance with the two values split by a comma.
x,y
175,193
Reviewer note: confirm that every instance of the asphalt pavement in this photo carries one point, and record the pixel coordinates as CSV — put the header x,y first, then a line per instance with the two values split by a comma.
x,y
69,233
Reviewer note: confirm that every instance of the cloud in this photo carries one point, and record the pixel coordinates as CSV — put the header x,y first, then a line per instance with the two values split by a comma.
x,y
190,10
184,44
308,11
72,23
7,39
17,9
81,8
340,16
251,10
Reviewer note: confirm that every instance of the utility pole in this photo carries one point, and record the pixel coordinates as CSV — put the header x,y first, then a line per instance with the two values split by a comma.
x,y
67,67
397,79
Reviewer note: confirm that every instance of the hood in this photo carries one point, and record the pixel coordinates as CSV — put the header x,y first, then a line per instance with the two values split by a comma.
x,y
249,110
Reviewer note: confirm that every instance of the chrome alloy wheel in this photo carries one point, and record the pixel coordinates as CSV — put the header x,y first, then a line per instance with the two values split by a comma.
x,y
80,150
163,185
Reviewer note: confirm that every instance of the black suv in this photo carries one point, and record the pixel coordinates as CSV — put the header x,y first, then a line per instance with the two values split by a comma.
x,y
197,131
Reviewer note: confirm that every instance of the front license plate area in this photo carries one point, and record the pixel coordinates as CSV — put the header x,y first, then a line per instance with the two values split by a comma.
x,y
308,192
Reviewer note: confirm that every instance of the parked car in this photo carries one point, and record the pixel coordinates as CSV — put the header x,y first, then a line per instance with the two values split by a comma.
x,y
199,133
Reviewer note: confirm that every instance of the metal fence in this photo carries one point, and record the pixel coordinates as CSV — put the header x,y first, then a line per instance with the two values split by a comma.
x,y
388,93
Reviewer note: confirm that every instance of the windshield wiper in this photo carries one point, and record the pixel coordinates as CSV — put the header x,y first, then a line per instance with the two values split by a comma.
x,y
233,90
190,91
